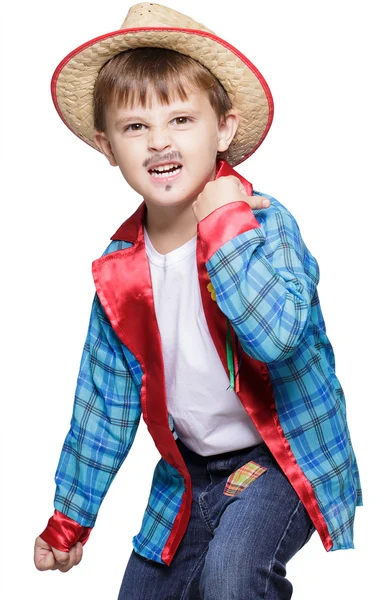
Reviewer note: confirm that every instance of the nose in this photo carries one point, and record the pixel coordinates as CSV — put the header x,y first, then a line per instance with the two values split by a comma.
x,y
158,138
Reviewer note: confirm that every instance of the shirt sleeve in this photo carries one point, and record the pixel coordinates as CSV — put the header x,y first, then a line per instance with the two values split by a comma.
x,y
264,276
104,422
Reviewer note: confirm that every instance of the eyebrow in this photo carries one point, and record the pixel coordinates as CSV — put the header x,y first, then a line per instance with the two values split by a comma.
x,y
185,110
128,119
139,118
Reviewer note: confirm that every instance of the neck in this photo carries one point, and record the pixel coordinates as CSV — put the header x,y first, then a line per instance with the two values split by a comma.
x,y
170,227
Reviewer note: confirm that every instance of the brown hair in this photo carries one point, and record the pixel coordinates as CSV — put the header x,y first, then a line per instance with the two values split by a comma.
x,y
128,76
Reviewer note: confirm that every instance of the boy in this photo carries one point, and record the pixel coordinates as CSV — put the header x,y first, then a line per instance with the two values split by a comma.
x,y
206,320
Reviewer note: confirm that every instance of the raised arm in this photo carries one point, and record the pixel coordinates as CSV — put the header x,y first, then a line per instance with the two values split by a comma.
x,y
263,275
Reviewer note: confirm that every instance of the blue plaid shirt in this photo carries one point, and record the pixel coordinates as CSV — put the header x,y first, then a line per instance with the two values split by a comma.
x,y
265,281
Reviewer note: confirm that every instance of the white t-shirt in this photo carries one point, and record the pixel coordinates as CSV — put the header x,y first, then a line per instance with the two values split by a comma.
x,y
208,417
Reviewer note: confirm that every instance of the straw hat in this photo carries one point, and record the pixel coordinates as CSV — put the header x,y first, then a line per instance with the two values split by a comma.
x,y
153,25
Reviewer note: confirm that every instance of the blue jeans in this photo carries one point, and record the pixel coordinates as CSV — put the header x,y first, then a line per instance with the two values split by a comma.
x,y
236,547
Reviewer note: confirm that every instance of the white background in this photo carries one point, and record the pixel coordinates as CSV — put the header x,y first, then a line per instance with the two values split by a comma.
x,y
61,202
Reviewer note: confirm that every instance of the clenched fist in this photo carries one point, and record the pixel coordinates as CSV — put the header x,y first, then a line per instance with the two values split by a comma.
x,y
223,191
47,557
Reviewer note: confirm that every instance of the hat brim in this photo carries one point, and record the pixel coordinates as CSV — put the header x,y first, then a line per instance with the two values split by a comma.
x,y
74,78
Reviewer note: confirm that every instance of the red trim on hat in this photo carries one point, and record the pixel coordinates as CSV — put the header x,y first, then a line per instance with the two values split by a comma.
x,y
211,36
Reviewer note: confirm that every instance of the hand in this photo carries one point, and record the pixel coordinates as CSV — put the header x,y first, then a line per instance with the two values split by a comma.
x,y
223,191
46,557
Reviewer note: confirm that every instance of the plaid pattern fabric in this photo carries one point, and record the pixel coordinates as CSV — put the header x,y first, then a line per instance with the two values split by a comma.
x,y
163,506
105,418
242,478
250,275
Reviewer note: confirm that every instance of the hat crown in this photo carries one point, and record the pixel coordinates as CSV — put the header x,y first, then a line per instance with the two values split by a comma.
x,y
147,14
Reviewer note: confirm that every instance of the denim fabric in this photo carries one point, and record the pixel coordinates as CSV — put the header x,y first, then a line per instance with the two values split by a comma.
x,y
236,546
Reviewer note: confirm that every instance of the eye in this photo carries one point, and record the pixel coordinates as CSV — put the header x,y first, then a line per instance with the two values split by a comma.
x,y
135,127
181,120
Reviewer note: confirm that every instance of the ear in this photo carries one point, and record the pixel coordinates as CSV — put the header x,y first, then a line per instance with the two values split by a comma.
x,y
227,129
104,146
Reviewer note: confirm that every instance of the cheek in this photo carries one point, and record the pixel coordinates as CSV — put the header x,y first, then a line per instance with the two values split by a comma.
x,y
211,141
203,144
129,160
128,150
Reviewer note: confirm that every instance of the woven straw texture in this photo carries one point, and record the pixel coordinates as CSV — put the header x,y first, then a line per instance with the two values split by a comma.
x,y
73,81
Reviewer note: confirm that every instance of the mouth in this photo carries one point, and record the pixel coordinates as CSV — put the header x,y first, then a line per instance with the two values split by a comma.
x,y
165,172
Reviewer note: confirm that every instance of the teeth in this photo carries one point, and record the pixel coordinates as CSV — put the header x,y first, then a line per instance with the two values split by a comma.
x,y
165,167
165,170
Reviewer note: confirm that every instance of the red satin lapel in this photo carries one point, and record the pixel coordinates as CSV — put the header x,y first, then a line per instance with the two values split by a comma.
x,y
256,394
130,229
123,284
224,169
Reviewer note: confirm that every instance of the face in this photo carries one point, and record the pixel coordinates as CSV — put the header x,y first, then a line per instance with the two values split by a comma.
x,y
167,153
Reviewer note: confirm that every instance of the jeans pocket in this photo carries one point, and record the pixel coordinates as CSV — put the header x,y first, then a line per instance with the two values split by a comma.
x,y
240,479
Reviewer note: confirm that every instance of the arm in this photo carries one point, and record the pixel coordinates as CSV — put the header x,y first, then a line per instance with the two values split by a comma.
x,y
263,275
105,418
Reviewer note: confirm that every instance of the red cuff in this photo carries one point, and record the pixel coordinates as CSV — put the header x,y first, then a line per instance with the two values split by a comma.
x,y
223,224
62,532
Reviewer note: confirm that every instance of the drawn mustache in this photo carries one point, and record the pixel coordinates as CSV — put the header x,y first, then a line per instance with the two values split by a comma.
x,y
156,158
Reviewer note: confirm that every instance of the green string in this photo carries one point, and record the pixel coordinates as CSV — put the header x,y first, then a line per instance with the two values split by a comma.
x,y
230,357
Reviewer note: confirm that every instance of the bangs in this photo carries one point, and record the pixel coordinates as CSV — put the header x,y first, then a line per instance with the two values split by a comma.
x,y
142,92
136,77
